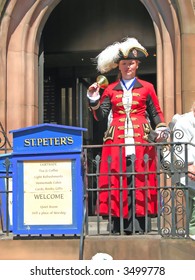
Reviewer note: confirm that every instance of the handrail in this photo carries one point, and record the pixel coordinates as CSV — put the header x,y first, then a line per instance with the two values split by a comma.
x,y
82,237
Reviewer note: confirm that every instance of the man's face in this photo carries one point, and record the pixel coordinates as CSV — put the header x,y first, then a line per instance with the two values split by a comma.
x,y
128,68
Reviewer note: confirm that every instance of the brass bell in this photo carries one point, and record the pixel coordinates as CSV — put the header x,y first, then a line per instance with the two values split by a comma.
x,y
102,81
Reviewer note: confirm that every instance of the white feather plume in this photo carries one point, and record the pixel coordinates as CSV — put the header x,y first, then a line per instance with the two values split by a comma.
x,y
106,60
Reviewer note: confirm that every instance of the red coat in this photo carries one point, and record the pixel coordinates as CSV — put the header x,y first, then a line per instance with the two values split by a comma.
x,y
144,100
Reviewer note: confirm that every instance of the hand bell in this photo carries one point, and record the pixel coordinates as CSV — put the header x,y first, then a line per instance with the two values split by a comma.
x,y
102,81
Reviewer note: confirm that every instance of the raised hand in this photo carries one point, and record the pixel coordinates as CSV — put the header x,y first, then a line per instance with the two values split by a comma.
x,y
93,90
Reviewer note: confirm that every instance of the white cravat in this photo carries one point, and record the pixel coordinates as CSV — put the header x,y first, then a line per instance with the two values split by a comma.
x,y
127,86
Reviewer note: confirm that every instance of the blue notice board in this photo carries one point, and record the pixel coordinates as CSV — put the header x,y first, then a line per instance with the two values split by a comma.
x,y
47,180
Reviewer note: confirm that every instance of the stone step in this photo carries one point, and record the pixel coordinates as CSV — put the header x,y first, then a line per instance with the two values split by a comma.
x,y
99,225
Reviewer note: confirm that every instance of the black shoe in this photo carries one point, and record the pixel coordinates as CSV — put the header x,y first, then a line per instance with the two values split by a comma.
x,y
128,232
115,225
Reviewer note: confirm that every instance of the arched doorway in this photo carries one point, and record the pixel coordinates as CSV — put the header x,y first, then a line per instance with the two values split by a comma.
x,y
70,39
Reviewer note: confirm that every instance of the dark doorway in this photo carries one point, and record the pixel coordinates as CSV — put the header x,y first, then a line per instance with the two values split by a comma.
x,y
72,36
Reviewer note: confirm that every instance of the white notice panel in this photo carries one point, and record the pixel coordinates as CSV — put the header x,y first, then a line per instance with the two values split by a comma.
x,y
47,192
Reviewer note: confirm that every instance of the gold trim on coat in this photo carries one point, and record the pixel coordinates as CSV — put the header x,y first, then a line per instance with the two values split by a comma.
x,y
131,111
136,94
119,95
124,119
109,134
123,127
128,136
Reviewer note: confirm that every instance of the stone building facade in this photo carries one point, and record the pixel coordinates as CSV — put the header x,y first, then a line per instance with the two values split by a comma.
x,y
38,38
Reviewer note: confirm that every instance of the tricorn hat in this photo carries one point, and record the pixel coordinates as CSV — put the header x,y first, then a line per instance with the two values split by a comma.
x,y
129,48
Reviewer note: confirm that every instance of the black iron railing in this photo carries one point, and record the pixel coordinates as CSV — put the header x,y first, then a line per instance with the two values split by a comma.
x,y
172,219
